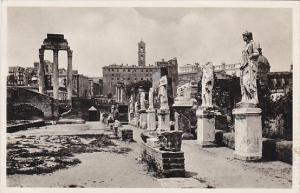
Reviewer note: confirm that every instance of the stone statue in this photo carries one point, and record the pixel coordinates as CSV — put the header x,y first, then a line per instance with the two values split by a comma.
x,y
136,107
249,69
163,94
151,103
142,100
131,104
207,84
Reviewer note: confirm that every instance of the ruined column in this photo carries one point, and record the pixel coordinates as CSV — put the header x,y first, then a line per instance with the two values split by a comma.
x,y
121,95
151,121
69,75
55,74
41,73
142,111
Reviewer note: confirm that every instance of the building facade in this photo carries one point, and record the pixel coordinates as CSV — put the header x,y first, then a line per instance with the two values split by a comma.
x,y
126,74
189,73
16,76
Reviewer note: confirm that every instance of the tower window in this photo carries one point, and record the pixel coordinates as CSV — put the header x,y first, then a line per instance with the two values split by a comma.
x,y
128,70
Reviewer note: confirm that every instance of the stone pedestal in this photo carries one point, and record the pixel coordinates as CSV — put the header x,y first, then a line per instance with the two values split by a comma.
x,y
151,121
143,119
205,127
163,120
248,133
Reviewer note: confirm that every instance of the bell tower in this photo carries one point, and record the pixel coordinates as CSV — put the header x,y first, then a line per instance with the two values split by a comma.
x,y
141,53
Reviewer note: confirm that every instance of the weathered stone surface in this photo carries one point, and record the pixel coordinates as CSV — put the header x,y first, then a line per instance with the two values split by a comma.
x,y
151,120
153,142
248,134
284,150
17,96
170,141
163,120
165,163
125,134
143,119
205,127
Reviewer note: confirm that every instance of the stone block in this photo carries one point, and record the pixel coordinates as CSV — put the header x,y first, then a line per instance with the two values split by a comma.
x,y
228,140
153,142
284,150
248,134
205,127
163,120
170,141
166,164
143,120
151,120
125,134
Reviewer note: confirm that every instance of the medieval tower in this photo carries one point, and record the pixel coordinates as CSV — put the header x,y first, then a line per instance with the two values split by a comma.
x,y
141,53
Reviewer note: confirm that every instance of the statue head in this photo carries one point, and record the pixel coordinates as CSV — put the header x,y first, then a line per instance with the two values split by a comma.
x,y
259,49
247,36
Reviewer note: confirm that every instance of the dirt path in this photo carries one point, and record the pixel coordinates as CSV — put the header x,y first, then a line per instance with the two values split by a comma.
x,y
98,169
207,168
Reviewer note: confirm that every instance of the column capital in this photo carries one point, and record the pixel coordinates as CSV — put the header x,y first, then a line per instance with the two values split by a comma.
x,y
55,52
70,53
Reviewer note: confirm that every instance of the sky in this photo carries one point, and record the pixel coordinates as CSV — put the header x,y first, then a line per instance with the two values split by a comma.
x,y
102,36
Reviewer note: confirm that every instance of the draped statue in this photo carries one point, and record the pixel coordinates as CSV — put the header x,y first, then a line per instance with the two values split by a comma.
x,y
163,93
249,69
151,102
207,84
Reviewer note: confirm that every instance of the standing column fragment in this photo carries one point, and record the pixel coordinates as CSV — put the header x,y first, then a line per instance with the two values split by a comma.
x,y
55,74
69,75
41,73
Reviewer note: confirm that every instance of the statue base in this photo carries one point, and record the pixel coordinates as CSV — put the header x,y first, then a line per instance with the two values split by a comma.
x,y
163,120
206,127
143,119
248,134
151,120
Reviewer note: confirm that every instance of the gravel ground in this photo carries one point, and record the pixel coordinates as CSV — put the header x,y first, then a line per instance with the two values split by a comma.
x,y
206,168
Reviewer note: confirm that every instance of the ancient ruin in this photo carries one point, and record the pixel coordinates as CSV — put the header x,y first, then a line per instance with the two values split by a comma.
x,y
205,113
55,42
164,111
248,125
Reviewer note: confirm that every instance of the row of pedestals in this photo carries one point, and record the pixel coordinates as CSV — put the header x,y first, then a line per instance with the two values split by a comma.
x,y
248,131
247,125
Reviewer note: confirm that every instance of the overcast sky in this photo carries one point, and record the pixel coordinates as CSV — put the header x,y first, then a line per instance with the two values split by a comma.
x,y
102,36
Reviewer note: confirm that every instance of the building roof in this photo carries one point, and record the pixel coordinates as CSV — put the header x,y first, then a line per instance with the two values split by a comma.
x,y
92,109
263,60
127,66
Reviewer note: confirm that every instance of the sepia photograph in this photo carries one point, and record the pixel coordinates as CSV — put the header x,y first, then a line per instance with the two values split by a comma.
x,y
149,96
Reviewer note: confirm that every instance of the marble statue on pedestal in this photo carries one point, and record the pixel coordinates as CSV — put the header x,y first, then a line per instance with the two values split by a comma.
x,y
248,123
